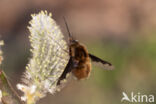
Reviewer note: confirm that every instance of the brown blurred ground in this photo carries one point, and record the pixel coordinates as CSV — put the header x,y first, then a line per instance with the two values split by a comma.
x,y
93,17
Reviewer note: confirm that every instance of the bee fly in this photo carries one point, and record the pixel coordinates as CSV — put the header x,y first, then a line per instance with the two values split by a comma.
x,y
80,60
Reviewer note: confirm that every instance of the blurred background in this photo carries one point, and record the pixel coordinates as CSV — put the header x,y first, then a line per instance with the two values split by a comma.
x,y
122,32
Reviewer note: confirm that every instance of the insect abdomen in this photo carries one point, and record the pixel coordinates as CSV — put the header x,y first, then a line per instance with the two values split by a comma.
x,y
81,60
83,71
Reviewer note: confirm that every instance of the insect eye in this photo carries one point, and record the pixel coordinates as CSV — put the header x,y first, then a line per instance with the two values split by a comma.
x,y
74,41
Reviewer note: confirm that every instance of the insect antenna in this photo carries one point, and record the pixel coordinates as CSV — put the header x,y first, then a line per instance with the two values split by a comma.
x,y
70,36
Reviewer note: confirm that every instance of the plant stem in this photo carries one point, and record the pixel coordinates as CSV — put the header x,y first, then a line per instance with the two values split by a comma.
x,y
9,95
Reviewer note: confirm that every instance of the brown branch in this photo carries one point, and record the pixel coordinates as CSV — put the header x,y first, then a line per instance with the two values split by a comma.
x,y
9,95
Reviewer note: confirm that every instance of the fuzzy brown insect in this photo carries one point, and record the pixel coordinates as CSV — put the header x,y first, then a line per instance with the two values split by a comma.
x,y
80,60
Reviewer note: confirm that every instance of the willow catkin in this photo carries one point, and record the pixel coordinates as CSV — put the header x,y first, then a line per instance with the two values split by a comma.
x,y
49,58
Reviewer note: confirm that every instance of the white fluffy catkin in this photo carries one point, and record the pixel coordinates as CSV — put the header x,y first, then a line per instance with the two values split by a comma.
x,y
49,58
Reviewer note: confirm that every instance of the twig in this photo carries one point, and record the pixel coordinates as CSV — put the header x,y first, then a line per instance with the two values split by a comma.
x,y
9,95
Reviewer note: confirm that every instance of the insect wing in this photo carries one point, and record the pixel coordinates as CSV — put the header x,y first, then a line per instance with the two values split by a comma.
x,y
104,64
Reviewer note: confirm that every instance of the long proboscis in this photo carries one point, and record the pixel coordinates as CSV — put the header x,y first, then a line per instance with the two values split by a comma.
x,y
69,33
